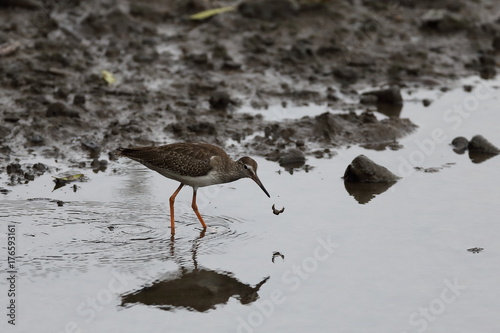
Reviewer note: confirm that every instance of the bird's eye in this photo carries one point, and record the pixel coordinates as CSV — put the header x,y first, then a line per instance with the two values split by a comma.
x,y
245,166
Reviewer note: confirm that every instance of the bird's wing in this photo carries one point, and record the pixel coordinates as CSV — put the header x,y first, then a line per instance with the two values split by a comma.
x,y
182,159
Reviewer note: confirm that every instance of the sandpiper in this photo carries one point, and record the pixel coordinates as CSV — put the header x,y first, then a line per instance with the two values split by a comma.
x,y
193,164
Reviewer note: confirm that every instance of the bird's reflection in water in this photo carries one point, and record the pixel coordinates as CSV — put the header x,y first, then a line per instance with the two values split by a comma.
x,y
195,289
364,192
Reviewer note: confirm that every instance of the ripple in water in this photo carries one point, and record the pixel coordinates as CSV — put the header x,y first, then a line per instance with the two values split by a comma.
x,y
81,234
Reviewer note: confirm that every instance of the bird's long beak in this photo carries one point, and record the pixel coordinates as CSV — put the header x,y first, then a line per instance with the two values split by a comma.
x,y
257,180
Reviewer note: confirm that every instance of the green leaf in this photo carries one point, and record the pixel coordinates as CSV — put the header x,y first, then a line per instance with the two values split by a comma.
x,y
108,77
211,12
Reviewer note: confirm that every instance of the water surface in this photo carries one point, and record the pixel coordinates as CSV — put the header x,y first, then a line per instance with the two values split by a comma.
x,y
391,259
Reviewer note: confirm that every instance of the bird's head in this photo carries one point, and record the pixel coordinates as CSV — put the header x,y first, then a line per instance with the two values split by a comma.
x,y
249,167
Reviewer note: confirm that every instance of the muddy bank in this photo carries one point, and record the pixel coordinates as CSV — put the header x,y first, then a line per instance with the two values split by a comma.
x,y
184,80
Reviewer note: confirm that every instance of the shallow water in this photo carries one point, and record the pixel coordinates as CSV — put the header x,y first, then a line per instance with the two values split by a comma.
x,y
396,262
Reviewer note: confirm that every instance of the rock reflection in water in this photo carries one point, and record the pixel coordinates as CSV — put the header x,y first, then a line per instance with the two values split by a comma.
x,y
195,289
365,192
479,157
390,110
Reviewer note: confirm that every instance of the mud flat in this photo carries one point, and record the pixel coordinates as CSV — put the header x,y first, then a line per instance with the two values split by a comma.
x,y
183,80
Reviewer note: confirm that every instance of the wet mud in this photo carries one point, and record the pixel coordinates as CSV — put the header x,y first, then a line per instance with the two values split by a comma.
x,y
176,79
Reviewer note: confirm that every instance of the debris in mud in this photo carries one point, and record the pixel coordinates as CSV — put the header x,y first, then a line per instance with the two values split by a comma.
x,y
434,169
64,180
278,211
475,249
444,21
22,174
277,254
219,100
211,12
108,77
60,203
9,47
99,165
93,147
364,170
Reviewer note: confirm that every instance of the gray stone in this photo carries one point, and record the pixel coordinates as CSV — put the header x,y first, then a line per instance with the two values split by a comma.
x,y
292,156
364,170
479,144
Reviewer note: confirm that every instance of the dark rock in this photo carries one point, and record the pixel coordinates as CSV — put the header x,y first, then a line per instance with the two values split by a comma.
x,y
364,170
58,109
29,176
426,102
460,144
479,144
79,100
14,168
326,125
292,156
468,87
390,95
39,167
99,165
219,100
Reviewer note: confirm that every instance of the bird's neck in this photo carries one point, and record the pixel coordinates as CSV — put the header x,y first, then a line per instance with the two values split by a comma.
x,y
230,172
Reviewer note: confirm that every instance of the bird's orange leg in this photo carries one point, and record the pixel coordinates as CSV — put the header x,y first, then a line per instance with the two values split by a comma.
x,y
172,200
195,208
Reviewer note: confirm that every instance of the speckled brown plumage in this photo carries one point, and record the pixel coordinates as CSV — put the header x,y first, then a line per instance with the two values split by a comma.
x,y
185,159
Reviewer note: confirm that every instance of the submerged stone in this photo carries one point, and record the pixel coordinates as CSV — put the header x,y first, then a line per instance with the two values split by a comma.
x,y
479,144
364,170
